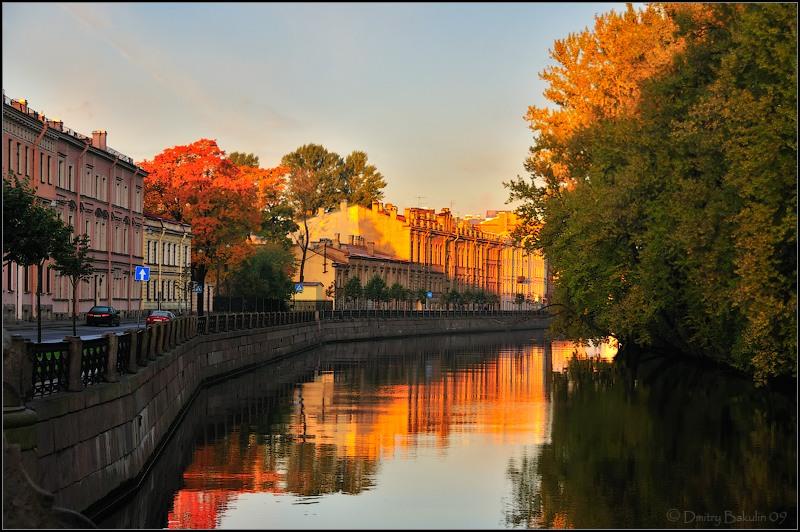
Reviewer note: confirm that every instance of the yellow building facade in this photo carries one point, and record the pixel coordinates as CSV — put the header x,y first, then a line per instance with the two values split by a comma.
x,y
167,251
421,248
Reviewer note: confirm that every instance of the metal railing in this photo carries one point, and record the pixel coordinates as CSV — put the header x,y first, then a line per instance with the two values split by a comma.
x,y
94,360
102,359
50,368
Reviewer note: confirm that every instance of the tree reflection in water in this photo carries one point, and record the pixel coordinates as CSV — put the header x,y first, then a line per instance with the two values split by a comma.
x,y
681,437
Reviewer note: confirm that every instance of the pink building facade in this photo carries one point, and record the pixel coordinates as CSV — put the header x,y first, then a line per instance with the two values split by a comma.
x,y
96,190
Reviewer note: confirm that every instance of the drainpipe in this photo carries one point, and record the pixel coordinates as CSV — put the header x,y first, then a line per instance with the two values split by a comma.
x,y
110,235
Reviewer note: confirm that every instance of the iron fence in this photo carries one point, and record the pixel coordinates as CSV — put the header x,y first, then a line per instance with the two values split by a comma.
x,y
50,368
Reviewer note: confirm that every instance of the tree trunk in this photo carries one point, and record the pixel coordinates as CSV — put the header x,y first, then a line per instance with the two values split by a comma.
x,y
39,302
75,308
305,249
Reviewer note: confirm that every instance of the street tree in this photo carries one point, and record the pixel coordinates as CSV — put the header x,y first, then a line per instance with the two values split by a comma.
x,y
197,184
314,180
362,183
265,274
32,233
74,263
397,293
375,290
352,289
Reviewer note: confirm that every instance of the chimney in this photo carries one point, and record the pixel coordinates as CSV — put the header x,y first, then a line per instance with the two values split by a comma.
x,y
99,139
320,211
376,206
343,205
352,240
56,124
338,241
371,248
21,105
392,210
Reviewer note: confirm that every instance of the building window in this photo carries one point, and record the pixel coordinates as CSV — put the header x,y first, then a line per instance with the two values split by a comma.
x,y
186,257
9,269
124,239
69,178
60,174
26,162
49,177
41,167
27,279
48,273
19,168
9,155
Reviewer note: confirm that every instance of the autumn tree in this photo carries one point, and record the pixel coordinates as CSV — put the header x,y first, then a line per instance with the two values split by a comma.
x,y
198,185
277,217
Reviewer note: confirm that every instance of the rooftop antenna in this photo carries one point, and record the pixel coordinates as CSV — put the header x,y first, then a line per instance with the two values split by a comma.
x,y
419,200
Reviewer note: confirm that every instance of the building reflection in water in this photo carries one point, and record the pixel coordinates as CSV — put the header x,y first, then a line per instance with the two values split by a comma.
x,y
342,424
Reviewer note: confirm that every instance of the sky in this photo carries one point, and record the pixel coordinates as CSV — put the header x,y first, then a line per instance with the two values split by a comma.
x,y
434,93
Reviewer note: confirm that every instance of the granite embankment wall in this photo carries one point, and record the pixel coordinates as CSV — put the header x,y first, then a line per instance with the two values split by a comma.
x,y
91,442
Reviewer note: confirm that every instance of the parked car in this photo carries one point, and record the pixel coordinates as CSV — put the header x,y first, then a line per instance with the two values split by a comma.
x,y
159,316
102,316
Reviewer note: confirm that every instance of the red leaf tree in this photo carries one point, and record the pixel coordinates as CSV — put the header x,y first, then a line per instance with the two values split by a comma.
x,y
197,184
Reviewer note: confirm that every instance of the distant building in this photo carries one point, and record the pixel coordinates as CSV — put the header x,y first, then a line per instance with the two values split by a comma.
x,y
96,190
422,249
168,253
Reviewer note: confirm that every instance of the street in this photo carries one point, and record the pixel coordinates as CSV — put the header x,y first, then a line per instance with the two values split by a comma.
x,y
56,331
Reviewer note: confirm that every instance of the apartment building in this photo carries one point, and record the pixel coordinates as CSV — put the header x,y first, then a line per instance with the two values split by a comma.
x,y
425,249
168,253
96,190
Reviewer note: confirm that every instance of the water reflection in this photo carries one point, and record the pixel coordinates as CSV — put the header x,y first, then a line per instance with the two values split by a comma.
x,y
685,447
483,431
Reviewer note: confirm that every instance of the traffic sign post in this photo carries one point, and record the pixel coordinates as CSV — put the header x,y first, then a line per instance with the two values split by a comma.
x,y
298,288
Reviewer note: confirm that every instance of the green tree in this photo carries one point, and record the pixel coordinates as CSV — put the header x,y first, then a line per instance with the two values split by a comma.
x,y
266,274
244,159
314,181
675,229
452,297
375,290
468,297
397,293
74,263
32,233
352,289
362,182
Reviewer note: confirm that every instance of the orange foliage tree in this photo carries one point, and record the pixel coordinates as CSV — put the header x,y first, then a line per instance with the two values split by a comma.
x,y
197,184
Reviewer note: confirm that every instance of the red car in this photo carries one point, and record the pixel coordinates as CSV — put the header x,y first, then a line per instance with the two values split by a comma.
x,y
159,316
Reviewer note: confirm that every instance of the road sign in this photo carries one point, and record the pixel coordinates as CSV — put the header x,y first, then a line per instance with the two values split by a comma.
x,y
298,288
142,273
198,289
429,294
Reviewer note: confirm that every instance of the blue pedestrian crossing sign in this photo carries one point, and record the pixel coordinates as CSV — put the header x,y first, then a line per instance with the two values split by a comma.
x,y
142,273
298,288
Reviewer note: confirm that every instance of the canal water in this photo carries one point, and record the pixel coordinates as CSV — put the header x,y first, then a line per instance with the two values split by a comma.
x,y
482,431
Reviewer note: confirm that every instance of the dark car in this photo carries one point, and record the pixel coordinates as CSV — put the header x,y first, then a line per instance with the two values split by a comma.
x,y
102,316
159,316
